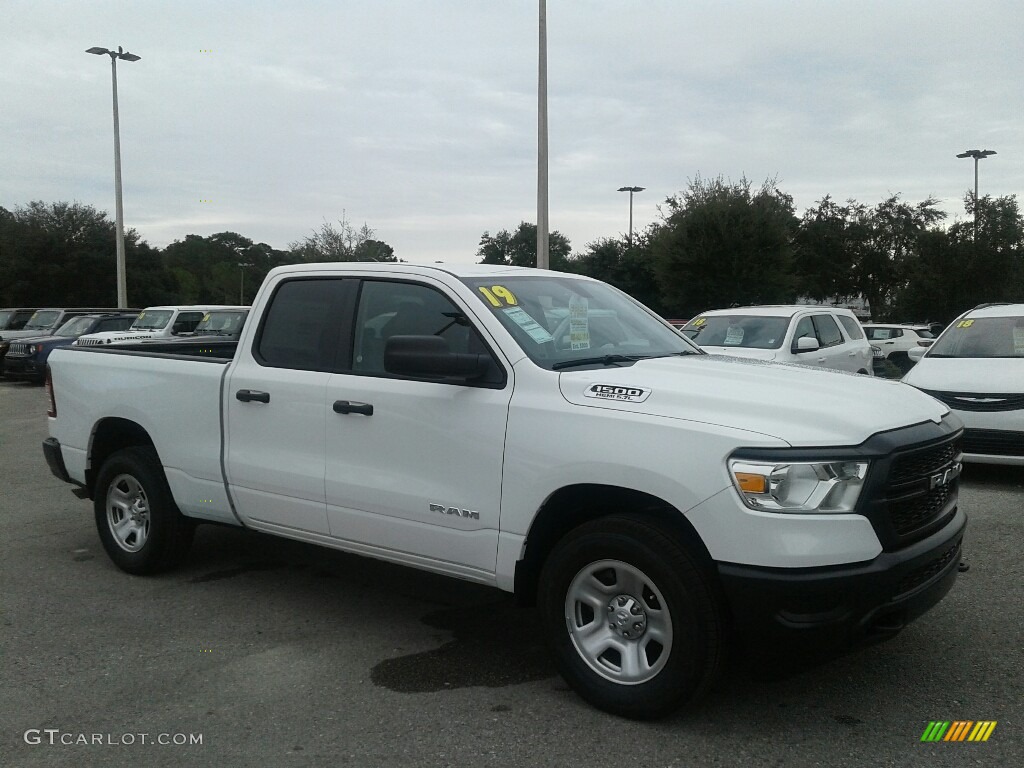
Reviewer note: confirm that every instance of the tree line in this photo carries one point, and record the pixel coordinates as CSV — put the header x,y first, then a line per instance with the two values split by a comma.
x,y
720,244
62,254
717,244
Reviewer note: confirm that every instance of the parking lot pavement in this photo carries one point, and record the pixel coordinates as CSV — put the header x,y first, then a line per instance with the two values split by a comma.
x,y
275,653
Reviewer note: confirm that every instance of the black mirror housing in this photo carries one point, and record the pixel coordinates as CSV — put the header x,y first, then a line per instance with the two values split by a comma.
x,y
430,357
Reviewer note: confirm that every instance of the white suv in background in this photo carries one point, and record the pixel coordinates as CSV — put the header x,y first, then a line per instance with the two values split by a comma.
x,y
825,337
156,324
976,367
897,340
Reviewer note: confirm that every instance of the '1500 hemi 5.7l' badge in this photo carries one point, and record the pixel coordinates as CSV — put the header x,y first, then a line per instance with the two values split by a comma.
x,y
617,392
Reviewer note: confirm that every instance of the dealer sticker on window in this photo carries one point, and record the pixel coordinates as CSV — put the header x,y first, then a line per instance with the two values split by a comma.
x,y
617,392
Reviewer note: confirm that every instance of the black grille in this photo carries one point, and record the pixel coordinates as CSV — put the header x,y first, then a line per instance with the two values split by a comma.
x,y
921,487
919,464
998,401
994,442
909,515
929,571
18,348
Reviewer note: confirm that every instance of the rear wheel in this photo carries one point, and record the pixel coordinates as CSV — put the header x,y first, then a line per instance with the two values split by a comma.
x,y
139,524
631,616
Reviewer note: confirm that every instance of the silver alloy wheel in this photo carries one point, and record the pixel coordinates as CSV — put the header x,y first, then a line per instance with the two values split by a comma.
x,y
128,513
619,622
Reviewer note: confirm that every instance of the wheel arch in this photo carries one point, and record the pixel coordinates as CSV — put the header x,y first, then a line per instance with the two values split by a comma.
x,y
109,436
574,505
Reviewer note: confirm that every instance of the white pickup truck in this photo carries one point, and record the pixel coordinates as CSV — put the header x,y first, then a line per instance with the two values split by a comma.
x,y
542,433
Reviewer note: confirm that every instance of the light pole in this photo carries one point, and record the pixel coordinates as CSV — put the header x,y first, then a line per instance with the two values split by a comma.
x,y
977,154
241,282
631,190
122,283
542,138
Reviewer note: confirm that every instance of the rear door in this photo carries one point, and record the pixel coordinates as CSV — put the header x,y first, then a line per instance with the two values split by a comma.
x,y
838,353
414,465
275,404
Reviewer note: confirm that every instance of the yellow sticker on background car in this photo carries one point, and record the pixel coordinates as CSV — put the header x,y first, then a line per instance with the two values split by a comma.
x,y
699,322
965,324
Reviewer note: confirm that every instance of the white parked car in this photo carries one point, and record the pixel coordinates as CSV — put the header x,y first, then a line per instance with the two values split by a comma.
x,y
976,367
825,337
156,323
896,340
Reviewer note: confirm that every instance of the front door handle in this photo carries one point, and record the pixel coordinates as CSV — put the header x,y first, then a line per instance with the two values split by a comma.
x,y
248,395
346,406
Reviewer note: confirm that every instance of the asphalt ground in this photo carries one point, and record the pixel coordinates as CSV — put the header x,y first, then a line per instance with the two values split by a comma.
x,y
274,653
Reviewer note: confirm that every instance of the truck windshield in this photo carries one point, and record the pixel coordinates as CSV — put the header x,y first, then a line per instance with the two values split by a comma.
x,y
982,337
75,327
42,320
561,322
152,320
743,331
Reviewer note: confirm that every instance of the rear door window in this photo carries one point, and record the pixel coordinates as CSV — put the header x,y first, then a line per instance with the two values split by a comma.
x,y
829,334
301,328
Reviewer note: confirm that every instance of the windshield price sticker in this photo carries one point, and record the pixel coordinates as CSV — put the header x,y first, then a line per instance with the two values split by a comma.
x,y
965,324
499,296
579,323
618,392
528,324
699,322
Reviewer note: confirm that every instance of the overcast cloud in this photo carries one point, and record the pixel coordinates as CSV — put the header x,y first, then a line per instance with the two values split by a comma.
x,y
418,117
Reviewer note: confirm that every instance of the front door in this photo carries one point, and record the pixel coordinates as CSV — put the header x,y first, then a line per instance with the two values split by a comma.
x,y
414,465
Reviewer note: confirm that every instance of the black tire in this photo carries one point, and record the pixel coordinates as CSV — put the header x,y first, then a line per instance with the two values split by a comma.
x,y
140,526
672,614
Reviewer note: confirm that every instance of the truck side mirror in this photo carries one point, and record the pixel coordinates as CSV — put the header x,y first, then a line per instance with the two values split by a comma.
x,y
805,344
430,357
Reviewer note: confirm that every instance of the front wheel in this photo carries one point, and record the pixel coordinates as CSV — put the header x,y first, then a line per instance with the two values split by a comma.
x,y
139,524
631,616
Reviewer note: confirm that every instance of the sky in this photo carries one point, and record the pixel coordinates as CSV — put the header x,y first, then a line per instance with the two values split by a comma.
x,y
419,117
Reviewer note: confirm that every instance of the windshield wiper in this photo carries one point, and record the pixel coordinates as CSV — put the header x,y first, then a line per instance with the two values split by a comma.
x,y
605,360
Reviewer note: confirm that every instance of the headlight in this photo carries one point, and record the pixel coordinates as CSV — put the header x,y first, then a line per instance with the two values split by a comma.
x,y
814,487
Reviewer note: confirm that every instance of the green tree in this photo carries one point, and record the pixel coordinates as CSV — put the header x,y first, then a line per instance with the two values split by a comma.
x,y
631,270
215,269
882,266
519,248
828,241
65,254
341,242
723,244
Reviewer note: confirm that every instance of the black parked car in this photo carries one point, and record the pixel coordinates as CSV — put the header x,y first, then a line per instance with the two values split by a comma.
x,y
26,358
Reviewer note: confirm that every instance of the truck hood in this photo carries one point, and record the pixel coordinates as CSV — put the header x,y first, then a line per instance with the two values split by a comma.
x,y
111,337
800,405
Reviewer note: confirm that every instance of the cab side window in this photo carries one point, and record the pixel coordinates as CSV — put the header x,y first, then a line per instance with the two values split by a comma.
x,y
394,308
301,327
828,332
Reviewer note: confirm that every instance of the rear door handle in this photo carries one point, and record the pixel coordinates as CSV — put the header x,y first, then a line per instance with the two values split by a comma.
x,y
346,406
248,395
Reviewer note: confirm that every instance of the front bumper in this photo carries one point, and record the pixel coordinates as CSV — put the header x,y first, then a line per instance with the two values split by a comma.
x,y
846,604
18,367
